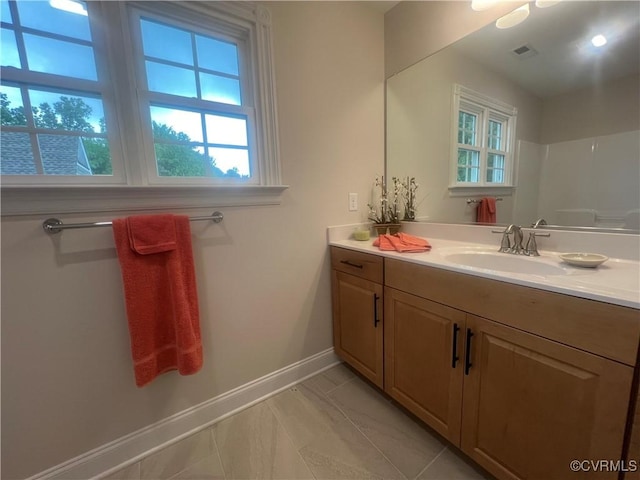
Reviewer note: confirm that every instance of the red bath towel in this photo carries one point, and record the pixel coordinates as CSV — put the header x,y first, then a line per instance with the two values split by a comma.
x,y
486,211
160,293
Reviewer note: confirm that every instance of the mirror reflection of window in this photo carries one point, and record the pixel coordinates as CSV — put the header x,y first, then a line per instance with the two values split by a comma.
x,y
484,147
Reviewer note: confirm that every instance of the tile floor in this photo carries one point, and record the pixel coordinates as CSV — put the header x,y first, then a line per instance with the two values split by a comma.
x,y
331,426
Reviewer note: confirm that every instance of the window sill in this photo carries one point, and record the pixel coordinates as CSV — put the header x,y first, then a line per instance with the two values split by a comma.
x,y
461,191
41,200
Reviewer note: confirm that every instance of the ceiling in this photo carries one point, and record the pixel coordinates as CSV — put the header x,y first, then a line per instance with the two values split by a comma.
x,y
561,35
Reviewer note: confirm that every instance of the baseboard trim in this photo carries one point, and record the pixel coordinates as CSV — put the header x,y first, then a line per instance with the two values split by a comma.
x,y
131,448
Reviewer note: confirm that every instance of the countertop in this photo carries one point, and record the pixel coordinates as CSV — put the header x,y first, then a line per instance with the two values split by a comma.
x,y
616,281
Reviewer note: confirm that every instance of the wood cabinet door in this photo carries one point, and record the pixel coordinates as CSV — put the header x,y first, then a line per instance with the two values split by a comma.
x,y
422,341
358,324
532,405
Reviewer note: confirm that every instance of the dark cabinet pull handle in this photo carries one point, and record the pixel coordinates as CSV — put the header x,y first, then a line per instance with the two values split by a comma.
x,y
375,310
454,348
467,360
351,264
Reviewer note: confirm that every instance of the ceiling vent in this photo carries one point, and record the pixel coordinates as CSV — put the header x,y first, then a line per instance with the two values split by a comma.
x,y
524,51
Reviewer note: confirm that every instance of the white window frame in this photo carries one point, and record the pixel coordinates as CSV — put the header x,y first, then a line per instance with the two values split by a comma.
x,y
228,31
487,109
139,189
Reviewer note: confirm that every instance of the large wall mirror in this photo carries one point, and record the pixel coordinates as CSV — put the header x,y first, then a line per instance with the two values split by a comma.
x,y
577,138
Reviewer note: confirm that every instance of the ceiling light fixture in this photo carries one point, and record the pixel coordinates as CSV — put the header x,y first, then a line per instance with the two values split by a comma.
x,y
546,3
599,40
514,18
69,6
480,5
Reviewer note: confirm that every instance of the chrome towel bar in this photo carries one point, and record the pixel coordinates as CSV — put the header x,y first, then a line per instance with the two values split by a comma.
x,y
471,200
55,225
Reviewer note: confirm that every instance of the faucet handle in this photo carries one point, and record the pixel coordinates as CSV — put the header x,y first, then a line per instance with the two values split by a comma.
x,y
505,244
532,247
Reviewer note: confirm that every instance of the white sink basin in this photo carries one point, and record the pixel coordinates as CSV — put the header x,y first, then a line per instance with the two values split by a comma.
x,y
504,262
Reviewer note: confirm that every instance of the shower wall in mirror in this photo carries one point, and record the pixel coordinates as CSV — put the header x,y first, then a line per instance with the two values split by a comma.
x,y
577,149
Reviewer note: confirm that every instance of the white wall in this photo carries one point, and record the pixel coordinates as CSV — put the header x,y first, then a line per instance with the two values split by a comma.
x,y
591,181
263,274
604,109
416,29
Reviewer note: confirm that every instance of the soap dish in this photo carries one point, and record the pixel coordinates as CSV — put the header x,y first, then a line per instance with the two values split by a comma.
x,y
587,260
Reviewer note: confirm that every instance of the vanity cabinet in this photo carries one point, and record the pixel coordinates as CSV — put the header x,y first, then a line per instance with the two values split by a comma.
x,y
358,315
520,404
520,379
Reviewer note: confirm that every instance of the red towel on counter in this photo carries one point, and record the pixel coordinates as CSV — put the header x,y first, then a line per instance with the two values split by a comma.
x,y
160,293
486,211
402,242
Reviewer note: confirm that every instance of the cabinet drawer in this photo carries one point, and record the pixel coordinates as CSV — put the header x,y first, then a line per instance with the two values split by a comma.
x,y
607,330
363,265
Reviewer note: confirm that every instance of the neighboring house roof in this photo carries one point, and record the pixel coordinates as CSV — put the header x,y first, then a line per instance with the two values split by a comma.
x,y
61,155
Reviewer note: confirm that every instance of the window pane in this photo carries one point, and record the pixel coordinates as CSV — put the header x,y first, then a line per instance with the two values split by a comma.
x,y
176,125
495,135
5,14
495,170
12,107
467,128
173,80
43,16
495,176
10,57
226,130
495,161
61,58
62,155
217,55
468,158
16,157
98,156
65,111
182,161
468,163
220,89
231,162
167,43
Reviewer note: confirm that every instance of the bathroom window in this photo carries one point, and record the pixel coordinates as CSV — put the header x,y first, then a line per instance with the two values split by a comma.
x,y
483,143
56,124
198,106
137,94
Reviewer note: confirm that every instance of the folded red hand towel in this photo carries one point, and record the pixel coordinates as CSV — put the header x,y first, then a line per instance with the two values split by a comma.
x,y
152,233
402,242
160,294
486,211
413,241
383,242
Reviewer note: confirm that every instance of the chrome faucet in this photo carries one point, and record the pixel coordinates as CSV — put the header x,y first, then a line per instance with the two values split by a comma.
x,y
505,245
516,248
537,223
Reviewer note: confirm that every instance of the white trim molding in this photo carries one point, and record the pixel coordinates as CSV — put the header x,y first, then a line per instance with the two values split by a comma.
x,y
80,199
131,448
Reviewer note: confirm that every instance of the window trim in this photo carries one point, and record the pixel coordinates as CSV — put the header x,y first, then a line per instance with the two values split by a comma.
x,y
54,196
146,98
487,108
